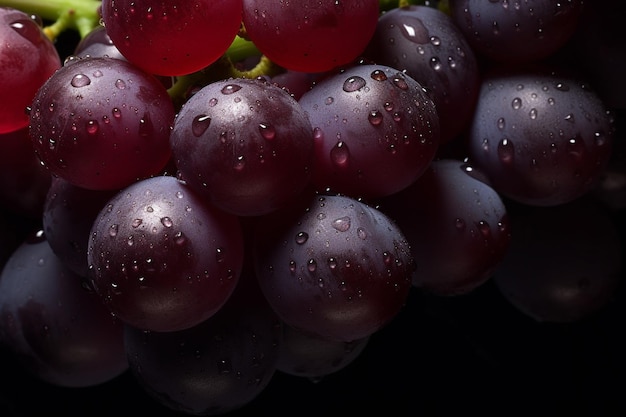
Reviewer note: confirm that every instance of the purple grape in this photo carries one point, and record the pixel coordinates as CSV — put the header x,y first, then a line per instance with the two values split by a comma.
x,y
58,330
541,137
457,226
376,131
215,367
425,43
333,266
516,31
246,145
161,258
101,123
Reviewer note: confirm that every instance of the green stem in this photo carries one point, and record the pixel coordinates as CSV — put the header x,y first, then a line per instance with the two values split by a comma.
x,y
80,15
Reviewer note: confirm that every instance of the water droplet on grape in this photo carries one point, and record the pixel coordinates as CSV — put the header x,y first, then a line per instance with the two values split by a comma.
x,y
267,131
180,239
301,238
516,103
119,83
113,230
400,82
375,117
353,84
117,113
230,89
340,154
506,151
361,233
378,75
200,124
92,127
311,265
80,80
166,221
342,224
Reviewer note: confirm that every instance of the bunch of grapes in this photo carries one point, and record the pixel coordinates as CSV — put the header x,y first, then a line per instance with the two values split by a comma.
x,y
212,205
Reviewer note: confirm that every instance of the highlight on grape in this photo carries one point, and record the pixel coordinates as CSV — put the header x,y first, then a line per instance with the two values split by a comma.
x,y
251,207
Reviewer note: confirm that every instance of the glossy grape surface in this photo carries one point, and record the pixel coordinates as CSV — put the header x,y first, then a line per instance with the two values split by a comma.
x,y
244,144
173,37
375,129
102,123
162,259
27,59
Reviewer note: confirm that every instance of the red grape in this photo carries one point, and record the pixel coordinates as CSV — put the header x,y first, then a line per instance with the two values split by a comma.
x,y
310,35
172,37
27,59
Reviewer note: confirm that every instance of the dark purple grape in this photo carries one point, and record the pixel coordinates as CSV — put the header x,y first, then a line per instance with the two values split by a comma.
x,y
375,130
516,31
57,329
244,144
565,262
456,224
161,258
97,43
333,266
307,355
68,214
425,43
101,123
215,367
541,137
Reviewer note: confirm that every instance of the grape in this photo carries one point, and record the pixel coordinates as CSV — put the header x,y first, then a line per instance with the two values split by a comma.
x,y
506,31
333,267
244,144
457,226
173,37
425,43
215,367
23,181
376,131
162,259
68,214
100,123
98,43
310,35
27,59
308,356
564,263
542,136
57,329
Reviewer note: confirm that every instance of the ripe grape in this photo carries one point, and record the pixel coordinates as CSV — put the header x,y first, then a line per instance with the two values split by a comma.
x,y
161,258
425,43
457,226
375,129
542,136
54,326
173,37
333,266
517,32
215,367
101,123
310,35
246,145
27,59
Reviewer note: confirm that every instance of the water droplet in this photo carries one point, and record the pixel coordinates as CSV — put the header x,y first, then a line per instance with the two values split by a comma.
x,y
267,131
533,113
483,228
80,80
361,233
329,100
459,224
353,84
117,113
562,87
200,124
145,125
311,265
516,103
378,75
501,123
506,151
435,63
332,263
92,127
113,230
400,82
375,117
240,163
119,83
340,154
230,89
292,267
342,224
219,255
166,221
180,239
136,223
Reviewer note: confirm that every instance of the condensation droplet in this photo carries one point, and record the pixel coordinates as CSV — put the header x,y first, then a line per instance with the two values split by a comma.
x,y
200,124
166,221
516,103
267,131
80,80
119,83
353,84
375,117
506,151
342,224
301,238
230,89
92,127
113,230
378,75
340,154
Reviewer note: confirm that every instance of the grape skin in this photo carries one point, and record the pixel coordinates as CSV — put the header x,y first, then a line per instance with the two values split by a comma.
x,y
161,258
